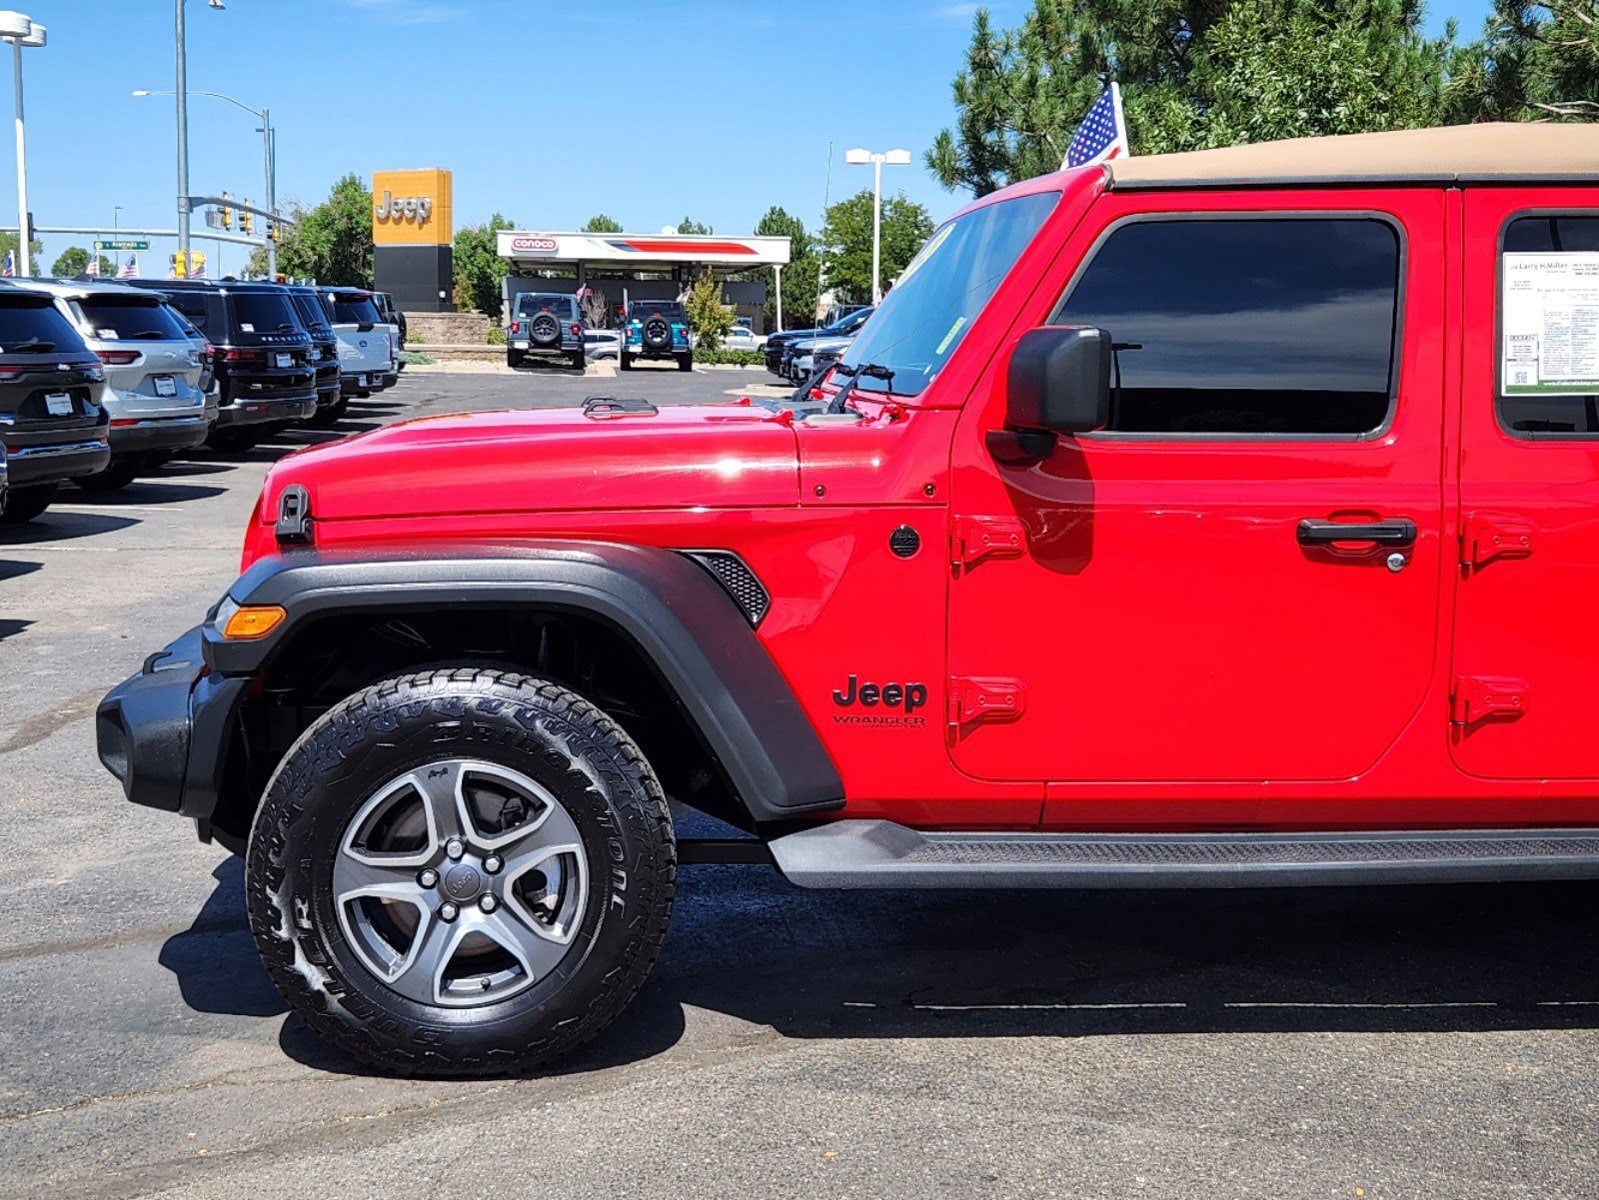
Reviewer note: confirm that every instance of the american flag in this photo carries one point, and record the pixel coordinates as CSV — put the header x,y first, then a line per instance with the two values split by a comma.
x,y
94,264
9,271
130,269
1102,135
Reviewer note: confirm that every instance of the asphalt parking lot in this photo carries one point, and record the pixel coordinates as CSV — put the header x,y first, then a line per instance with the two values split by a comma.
x,y
1374,1042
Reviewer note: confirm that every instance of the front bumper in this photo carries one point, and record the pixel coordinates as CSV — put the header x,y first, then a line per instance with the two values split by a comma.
x,y
162,732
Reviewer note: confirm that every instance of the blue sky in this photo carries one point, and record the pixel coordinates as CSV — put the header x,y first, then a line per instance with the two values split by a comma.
x,y
548,112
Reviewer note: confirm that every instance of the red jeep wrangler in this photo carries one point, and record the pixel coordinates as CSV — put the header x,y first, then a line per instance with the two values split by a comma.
x,y
1222,519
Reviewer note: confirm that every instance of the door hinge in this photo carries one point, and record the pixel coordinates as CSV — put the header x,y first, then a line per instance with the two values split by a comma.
x,y
1478,697
977,538
972,700
1487,536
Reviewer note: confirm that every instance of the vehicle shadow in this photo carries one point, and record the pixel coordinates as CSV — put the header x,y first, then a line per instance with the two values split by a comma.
x,y
58,525
810,964
11,626
148,489
14,568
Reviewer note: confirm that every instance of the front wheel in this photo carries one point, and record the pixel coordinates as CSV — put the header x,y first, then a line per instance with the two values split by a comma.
x,y
461,872
118,475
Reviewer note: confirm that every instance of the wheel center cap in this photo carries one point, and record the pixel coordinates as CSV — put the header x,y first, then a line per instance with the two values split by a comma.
x,y
462,882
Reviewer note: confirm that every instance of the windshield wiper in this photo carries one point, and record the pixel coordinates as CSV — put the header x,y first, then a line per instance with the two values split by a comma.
x,y
37,345
150,335
855,375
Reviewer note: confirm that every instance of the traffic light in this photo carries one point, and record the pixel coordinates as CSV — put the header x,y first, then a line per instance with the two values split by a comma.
x,y
246,219
176,263
226,213
272,231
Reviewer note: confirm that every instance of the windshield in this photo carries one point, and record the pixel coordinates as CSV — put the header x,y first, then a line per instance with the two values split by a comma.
x,y
921,322
350,308
264,312
148,320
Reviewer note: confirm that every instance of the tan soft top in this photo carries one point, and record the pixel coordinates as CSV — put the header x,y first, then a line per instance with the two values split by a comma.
x,y
1491,153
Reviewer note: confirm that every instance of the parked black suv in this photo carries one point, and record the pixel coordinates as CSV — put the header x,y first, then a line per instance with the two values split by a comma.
x,y
263,360
846,326
545,323
316,314
51,419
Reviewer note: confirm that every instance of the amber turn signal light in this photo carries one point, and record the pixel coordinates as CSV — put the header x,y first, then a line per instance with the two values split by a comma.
x,y
246,623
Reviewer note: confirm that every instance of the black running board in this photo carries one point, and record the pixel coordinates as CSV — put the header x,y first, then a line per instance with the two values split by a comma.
x,y
881,854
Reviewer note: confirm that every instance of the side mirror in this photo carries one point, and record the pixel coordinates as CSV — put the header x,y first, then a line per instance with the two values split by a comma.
x,y
1057,381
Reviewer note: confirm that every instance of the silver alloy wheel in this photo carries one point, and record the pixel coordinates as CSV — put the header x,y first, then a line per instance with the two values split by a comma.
x,y
461,883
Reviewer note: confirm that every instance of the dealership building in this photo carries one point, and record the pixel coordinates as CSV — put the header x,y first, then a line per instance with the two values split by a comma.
x,y
631,266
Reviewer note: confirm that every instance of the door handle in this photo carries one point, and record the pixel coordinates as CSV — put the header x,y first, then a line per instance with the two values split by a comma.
x,y
1400,532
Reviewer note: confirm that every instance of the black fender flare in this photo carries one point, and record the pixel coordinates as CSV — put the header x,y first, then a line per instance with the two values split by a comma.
x,y
672,610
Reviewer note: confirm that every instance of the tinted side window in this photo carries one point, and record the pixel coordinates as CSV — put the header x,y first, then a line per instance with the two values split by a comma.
x,y
1246,326
1549,325
193,305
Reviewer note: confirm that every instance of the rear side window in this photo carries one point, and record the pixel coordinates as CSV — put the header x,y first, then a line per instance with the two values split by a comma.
x,y
264,312
1246,327
1549,325
355,310
124,319
193,306
37,329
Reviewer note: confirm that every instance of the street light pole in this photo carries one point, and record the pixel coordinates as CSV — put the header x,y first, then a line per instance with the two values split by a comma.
x,y
894,158
21,31
183,140
270,149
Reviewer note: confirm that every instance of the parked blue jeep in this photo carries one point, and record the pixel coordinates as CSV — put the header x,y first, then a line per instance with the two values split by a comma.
x,y
657,329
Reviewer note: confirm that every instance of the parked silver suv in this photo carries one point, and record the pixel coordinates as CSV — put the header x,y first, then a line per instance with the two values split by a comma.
x,y
154,392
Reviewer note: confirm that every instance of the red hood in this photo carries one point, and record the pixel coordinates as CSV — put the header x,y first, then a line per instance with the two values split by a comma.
x,y
549,460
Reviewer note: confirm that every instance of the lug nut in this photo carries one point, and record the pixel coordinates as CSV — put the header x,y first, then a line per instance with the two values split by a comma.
x,y
428,878
492,864
455,847
448,911
488,903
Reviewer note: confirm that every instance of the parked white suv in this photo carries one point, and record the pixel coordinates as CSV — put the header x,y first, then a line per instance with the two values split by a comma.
x,y
369,347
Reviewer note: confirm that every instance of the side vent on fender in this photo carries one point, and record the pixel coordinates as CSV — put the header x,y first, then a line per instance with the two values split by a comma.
x,y
733,573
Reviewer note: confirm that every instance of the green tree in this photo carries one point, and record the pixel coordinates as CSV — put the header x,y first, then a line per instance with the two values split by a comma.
x,y
74,260
800,276
1534,62
9,243
601,223
708,314
847,236
688,226
332,241
479,267
1193,73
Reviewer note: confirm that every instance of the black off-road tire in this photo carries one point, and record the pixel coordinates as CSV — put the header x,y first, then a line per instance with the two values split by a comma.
x,y
525,724
625,361
579,360
26,503
330,414
685,362
513,358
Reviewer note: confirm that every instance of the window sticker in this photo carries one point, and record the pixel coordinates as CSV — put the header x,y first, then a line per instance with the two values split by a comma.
x,y
245,327
1550,324
960,323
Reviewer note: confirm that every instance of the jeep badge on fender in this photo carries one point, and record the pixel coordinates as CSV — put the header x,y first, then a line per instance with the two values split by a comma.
x,y
909,696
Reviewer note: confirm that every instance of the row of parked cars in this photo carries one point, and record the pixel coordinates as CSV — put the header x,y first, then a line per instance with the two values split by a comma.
x,y
102,381
799,354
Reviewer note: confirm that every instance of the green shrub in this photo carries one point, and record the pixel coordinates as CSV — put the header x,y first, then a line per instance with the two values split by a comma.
x,y
734,358
413,359
413,338
496,336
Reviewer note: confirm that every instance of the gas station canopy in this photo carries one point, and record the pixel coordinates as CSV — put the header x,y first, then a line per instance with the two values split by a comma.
x,y
528,251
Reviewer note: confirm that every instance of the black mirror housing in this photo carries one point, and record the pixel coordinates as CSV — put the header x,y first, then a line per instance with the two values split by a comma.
x,y
1059,380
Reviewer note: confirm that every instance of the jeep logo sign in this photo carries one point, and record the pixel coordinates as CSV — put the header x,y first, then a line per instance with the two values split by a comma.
x,y
533,245
410,208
